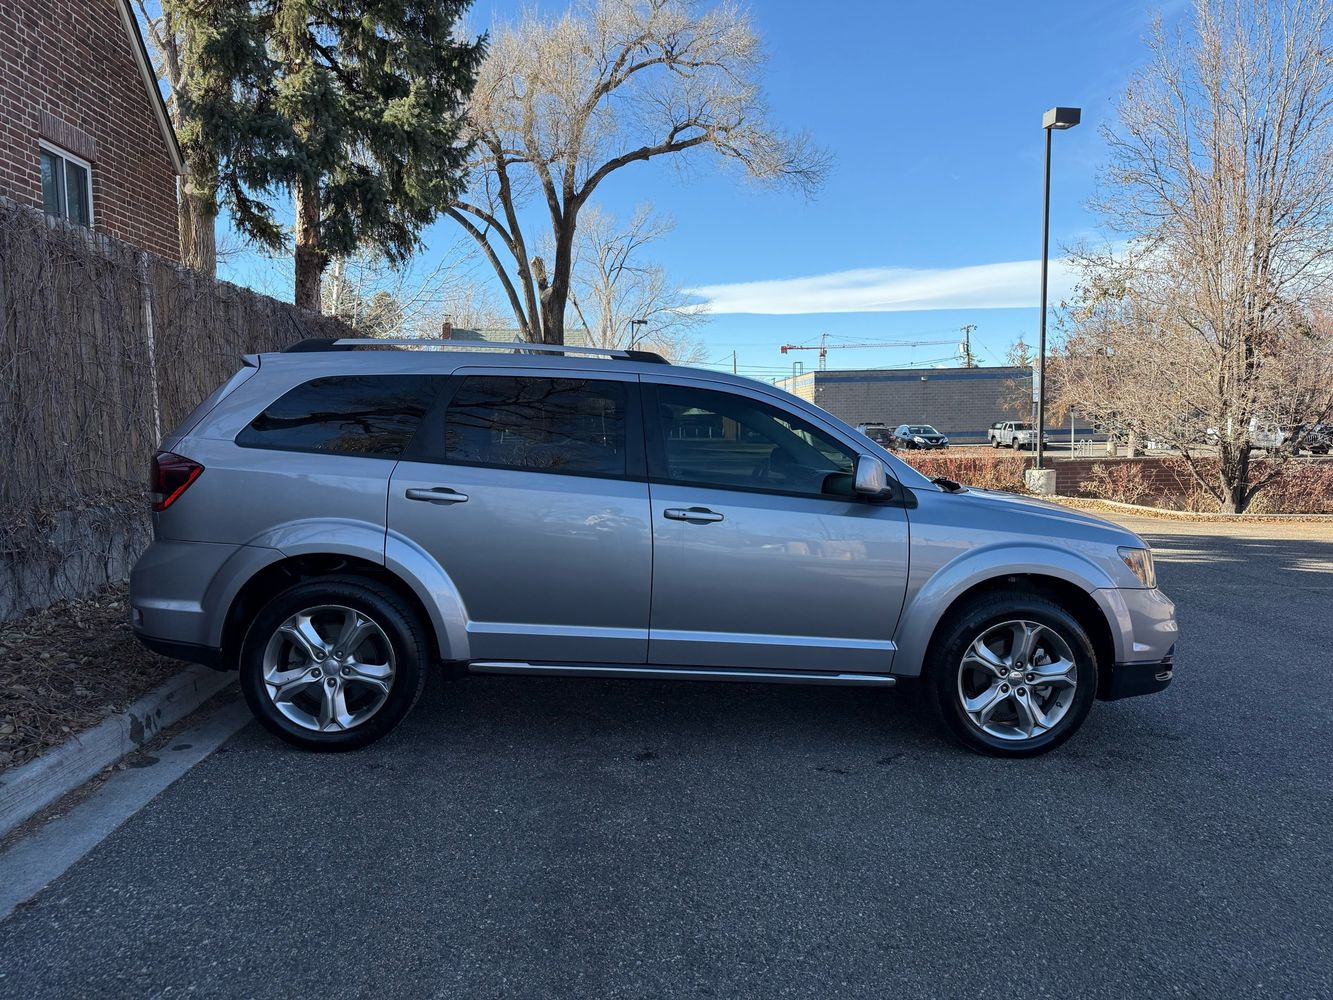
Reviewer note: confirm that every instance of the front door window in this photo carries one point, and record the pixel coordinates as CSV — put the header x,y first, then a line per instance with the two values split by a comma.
x,y
728,441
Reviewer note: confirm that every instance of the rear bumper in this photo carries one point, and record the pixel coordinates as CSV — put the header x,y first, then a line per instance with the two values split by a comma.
x,y
1128,680
188,651
180,592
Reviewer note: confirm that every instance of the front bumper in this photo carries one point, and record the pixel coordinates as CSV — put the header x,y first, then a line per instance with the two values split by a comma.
x,y
1128,680
1144,631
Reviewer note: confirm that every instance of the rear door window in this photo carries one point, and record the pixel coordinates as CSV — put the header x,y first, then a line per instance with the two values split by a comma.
x,y
558,425
373,415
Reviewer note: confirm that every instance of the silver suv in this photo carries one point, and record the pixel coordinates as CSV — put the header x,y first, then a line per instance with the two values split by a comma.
x,y
338,518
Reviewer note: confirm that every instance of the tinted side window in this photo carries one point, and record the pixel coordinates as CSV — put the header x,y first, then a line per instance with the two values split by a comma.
x,y
345,414
719,439
574,426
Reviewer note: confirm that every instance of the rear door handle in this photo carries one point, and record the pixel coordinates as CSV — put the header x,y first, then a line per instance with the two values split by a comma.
x,y
699,515
437,494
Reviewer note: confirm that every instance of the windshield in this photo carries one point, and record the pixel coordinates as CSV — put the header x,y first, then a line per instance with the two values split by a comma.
x,y
1022,427
922,429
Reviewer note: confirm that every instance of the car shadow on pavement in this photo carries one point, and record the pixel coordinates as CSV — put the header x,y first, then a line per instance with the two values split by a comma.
x,y
698,714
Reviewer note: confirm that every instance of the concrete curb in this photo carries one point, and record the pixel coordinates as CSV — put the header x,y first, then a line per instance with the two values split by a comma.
x,y
1167,514
35,785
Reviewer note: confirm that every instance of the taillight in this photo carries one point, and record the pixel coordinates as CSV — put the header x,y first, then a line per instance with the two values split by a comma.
x,y
171,476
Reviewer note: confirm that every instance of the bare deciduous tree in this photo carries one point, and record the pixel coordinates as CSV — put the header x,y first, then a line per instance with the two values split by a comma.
x,y
384,299
622,300
1018,399
1221,178
561,103
196,201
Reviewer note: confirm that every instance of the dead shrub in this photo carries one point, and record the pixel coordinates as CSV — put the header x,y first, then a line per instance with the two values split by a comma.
x,y
1122,482
985,471
1302,487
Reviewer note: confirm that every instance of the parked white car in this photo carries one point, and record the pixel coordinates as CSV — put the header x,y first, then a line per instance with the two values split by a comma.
x,y
1014,434
1262,434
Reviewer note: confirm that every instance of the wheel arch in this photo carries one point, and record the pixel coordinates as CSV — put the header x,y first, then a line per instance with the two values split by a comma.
x,y
282,573
1064,579
1073,598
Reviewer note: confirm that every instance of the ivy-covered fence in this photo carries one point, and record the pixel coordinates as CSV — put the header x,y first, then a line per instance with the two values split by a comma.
x,y
103,349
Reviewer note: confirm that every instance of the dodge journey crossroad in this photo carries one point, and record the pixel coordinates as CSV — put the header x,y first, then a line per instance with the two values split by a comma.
x,y
341,517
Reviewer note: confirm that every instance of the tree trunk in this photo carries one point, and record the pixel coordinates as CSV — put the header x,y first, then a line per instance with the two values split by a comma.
x,y
1240,489
555,297
310,258
197,223
1233,471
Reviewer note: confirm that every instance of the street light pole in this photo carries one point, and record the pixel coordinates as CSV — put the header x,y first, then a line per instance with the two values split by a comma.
x,y
1061,118
633,339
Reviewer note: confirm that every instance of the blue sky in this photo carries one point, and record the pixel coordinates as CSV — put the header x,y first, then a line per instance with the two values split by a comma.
x,y
932,113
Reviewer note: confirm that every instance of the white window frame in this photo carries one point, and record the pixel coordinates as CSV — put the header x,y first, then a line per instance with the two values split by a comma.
x,y
78,161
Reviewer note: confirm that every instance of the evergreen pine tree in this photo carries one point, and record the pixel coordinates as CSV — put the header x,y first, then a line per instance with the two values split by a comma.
x,y
355,107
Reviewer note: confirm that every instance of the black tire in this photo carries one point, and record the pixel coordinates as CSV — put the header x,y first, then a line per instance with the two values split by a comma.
x,y
400,624
957,633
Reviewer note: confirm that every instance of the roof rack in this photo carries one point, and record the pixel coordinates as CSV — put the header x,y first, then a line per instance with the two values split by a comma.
x,y
350,343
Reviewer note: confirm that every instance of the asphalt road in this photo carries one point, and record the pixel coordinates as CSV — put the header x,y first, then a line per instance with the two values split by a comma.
x,y
532,838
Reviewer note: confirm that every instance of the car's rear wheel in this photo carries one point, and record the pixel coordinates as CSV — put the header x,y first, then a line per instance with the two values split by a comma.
x,y
334,664
1012,674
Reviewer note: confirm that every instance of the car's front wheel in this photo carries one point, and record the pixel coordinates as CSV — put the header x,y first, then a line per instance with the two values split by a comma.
x,y
1012,674
333,664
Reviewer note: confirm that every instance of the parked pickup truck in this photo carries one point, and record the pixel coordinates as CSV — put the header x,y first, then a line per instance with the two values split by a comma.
x,y
1013,434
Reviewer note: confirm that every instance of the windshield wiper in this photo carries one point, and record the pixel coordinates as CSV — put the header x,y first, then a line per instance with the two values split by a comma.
x,y
949,485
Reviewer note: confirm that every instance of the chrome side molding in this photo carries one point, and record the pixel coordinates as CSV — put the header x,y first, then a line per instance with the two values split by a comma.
x,y
627,671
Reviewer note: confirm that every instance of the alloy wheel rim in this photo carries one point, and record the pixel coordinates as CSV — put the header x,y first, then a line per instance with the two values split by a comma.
x,y
328,668
1017,680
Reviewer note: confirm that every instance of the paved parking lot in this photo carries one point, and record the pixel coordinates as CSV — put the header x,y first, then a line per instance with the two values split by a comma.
x,y
534,838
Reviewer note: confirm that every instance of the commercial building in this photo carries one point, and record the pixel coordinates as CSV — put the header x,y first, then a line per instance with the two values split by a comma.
x,y
960,402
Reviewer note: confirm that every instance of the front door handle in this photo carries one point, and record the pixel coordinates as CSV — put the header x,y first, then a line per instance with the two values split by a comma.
x,y
699,515
437,494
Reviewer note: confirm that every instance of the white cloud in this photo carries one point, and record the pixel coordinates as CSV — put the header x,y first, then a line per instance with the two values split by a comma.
x,y
1008,285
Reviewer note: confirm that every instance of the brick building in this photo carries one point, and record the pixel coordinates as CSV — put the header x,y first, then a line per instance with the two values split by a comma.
x,y
960,402
84,133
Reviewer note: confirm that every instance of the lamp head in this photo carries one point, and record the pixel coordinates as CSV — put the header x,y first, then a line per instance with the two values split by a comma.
x,y
1061,118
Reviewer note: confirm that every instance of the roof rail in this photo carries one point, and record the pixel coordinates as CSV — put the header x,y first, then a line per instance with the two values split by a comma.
x,y
349,343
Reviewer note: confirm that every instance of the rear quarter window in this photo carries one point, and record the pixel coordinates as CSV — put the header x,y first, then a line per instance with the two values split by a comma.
x,y
373,415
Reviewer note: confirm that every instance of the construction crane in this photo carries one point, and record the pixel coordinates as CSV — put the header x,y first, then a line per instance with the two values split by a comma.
x,y
823,346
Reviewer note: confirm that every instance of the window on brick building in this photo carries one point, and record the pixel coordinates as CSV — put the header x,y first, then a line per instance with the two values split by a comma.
x,y
67,186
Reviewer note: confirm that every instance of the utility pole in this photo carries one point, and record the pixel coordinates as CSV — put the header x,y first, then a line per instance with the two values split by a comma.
x,y
733,362
968,360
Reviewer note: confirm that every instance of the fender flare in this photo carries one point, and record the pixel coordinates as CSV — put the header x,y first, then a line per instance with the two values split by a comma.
x,y
406,560
417,568
926,608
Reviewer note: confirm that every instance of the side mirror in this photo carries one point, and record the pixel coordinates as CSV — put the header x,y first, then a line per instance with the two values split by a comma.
x,y
871,479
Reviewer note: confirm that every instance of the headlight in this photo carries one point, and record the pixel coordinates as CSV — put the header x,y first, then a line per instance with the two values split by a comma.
x,y
919,439
1140,564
